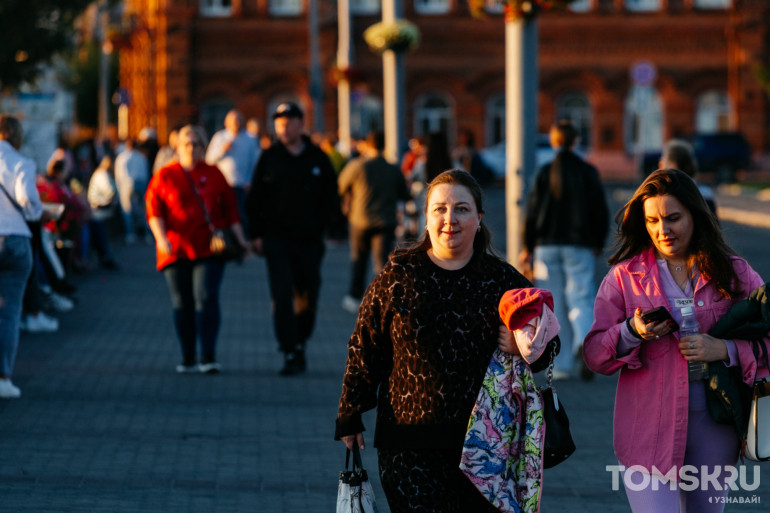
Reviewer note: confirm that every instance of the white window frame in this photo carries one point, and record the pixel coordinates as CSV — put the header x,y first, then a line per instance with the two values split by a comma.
x,y
713,4
285,7
495,115
215,8
493,6
643,121
643,5
432,6
713,112
435,118
364,7
581,5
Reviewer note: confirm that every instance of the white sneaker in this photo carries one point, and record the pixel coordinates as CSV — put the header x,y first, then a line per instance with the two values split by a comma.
x,y
210,368
186,369
8,390
350,304
40,323
60,303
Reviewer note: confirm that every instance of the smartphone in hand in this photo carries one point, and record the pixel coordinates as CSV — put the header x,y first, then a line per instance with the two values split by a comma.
x,y
659,314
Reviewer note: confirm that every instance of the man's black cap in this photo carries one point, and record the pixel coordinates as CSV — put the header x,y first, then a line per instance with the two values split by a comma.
x,y
288,110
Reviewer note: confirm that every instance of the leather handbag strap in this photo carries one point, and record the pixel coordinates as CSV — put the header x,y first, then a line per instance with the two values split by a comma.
x,y
13,201
200,200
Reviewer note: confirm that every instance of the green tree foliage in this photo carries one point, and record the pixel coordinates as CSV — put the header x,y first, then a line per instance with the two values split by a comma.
x,y
31,32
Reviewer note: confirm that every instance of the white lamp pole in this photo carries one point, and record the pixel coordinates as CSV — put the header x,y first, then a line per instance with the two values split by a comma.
x,y
344,58
393,88
521,83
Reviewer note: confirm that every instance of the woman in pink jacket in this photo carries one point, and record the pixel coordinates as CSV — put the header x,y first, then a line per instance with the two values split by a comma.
x,y
671,254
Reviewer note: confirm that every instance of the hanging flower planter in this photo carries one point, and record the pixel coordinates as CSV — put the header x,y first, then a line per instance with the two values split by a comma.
x,y
515,9
399,36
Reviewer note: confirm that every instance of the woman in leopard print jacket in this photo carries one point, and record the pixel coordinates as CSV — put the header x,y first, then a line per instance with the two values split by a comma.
x,y
426,329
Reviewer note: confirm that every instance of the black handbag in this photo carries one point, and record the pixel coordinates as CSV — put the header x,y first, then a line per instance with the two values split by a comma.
x,y
222,242
558,444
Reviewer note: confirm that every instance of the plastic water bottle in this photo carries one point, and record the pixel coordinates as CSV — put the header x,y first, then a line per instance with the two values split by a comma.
x,y
689,326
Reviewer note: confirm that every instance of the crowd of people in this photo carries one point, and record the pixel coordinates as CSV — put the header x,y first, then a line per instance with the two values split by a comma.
x,y
428,322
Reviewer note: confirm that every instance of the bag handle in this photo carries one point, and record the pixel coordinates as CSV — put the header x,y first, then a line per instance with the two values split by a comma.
x,y
357,462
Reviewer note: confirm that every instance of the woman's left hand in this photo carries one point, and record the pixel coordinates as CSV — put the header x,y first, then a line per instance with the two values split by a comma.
x,y
703,348
506,341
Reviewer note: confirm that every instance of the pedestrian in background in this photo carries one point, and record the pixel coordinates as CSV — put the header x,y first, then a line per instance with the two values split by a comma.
x,y
176,198
167,152
292,203
374,188
19,203
678,154
235,153
424,336
670,254
132,173
566,225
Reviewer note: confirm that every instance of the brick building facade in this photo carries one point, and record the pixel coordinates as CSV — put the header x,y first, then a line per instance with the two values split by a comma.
x,y
192,60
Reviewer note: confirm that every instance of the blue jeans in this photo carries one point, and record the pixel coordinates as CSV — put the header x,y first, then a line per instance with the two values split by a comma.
x,y
15,266
374,242
194,287
568,272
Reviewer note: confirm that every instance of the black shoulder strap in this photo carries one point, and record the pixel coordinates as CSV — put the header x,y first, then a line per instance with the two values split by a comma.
x,y
198,197
13,201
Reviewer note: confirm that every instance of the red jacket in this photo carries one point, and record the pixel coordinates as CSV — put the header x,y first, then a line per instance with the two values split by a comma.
x,y
171,198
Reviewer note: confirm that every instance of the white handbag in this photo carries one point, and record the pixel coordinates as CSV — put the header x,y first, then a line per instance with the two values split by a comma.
x,y
355,494
758,434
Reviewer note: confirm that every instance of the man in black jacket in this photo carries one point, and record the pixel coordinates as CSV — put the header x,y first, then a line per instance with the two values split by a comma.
x,y
567,221
292,201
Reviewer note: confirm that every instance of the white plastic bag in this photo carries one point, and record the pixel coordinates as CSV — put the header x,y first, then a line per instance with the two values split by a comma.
x,y
355,494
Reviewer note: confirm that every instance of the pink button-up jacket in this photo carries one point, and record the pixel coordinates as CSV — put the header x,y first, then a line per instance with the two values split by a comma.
x,y
650,425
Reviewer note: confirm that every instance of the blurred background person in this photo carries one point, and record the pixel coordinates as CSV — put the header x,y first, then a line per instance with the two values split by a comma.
x,y
678,154
374,187
567,221
103,200
19,203
182,234
167,152
233,151
132,174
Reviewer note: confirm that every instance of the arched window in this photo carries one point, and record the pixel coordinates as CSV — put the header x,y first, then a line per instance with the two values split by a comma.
x,y
433,113
284,7
215,8
495,120
713,112
365,114
431,6
643,120
581,5
364,7
574,105
713,4
213,112
643,5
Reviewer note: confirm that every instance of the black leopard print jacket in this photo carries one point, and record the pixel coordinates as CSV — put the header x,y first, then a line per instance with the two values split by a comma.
x,y
421,347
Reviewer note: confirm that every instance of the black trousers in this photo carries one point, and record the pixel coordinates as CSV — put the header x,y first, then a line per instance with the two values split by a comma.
x,y
294,271
428,481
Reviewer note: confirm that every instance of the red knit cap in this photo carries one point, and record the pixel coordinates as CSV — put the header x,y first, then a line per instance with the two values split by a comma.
x,y
519,306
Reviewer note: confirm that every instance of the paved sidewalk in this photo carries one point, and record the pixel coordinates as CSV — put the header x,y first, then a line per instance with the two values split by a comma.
x,y
106,425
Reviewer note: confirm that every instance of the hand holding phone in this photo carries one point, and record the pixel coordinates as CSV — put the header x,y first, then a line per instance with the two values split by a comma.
x,y
659,315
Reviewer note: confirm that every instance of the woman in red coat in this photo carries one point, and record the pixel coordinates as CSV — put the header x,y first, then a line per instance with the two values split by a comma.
x,y
182,234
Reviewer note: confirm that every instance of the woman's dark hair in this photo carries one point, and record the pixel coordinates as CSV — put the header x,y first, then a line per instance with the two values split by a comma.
x,y
482,243
562,136
708,249
679,155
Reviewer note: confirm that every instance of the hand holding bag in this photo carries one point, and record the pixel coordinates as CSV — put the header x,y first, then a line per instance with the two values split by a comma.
x,y
558,444
355,494
223,242
758,435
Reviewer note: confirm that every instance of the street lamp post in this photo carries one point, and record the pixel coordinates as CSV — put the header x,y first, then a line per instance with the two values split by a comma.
x,y
344,58
393,87
521,83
